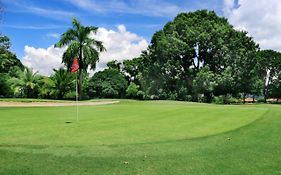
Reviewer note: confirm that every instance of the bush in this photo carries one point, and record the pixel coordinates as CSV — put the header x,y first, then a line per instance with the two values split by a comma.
x,y
109,92
173,96
226,99
132,90
260,100
233,100
70,95
141,95
218,100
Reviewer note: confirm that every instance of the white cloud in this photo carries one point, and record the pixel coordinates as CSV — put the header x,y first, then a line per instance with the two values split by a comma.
x,y
260,18
43,60
120,45
53,35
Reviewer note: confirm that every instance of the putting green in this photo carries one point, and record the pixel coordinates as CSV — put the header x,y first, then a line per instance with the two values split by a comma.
x,y
129,122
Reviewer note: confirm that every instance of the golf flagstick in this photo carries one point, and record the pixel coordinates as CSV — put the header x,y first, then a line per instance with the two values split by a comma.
x,y
77,117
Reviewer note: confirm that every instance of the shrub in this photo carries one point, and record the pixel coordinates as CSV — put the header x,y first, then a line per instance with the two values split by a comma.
x,y
141,95
218,100
132,90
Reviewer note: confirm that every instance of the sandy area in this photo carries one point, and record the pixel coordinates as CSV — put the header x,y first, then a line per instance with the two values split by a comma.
x,y
31,104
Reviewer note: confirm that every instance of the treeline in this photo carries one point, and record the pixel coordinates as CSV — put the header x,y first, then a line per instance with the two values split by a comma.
x,y
198,56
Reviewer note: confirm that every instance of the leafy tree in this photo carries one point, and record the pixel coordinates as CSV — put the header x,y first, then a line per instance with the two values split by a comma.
x,y
205,83
275,88
5,89
5,43
80,44
114,65
107,83
133,69
225,82
257,87
132,90
8,60
269,63
193,41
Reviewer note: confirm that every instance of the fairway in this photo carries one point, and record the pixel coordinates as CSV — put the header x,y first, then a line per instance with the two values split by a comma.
x,y
141,137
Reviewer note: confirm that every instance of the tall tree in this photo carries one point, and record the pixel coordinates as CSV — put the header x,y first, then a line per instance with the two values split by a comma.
x,y
9,64
80,44
205,83
193,41
109,83
269,62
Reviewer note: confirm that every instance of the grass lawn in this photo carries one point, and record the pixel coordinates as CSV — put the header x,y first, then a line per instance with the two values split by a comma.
x,y
136,137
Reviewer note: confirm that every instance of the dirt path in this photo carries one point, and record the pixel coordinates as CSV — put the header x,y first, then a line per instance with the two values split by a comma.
x,y
32,104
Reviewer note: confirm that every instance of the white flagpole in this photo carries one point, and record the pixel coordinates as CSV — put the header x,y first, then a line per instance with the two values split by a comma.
x,y
77,117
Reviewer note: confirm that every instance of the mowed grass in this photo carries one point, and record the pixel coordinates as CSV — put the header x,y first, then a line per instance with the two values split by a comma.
x,y
133,137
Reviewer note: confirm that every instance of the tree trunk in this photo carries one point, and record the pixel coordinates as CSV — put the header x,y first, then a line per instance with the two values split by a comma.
x,y
244,97
264,94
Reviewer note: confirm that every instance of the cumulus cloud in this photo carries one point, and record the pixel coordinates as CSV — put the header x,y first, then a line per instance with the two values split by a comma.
x,y
120,45
43,60
260,18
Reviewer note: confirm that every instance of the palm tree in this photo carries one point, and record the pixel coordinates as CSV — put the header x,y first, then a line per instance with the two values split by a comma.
x,y
80,45
26,83
63,82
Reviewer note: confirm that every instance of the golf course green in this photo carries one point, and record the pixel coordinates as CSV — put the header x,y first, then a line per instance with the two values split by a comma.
x,y
141,137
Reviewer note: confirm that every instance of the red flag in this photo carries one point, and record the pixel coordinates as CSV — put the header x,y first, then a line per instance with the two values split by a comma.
x,y
75,65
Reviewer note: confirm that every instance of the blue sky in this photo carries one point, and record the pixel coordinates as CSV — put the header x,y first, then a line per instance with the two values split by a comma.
x,y
37,23
125,26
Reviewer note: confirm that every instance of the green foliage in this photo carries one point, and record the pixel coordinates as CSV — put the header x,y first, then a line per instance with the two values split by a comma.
x,y
133,70
5,90
107,83
5,43
226,99
225,82
8,60
26,84
71,95
192,42
269,69
47,88
205,83
114,65
64,82
275,88
132,91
